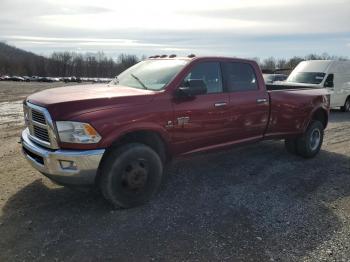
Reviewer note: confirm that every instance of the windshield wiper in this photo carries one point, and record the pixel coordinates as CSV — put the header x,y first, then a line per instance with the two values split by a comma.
x,y
138,80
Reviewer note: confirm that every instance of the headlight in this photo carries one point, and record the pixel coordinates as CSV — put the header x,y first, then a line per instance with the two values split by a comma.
x,y
76,132
26,114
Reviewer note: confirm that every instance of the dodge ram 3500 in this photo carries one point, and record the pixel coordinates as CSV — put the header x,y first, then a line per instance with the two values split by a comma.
x,y
118,136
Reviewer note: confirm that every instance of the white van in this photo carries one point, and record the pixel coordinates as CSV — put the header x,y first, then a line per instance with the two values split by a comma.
x,y
334,75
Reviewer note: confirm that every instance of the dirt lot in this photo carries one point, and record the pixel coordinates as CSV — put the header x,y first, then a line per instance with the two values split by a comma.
x,y
253,203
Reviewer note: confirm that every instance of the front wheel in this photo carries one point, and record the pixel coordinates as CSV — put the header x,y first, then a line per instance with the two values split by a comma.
x,y
346,107
130,175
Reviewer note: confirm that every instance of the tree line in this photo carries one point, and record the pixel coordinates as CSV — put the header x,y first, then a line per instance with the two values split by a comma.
x,y
88,65
15,61
272,64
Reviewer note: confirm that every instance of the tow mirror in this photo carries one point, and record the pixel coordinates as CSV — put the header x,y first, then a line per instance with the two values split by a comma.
x,y
191,88
329,81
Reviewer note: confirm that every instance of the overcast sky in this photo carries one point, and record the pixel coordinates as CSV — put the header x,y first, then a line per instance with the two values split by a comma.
x,y
243,28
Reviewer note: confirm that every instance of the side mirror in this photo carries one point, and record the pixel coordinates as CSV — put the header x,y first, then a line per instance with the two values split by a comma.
x,y
192,88
329,81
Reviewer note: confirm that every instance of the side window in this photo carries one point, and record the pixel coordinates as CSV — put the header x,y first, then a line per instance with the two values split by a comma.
x,y
329,81
240,77
210,73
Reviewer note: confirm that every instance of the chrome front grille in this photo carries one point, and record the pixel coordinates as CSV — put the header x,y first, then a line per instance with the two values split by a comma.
x,y
40,125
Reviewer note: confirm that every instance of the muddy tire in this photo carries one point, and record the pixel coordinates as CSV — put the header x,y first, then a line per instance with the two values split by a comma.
x,y
130,175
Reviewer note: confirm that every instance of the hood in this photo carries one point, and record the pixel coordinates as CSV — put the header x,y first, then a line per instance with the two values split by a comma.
x,y
67,102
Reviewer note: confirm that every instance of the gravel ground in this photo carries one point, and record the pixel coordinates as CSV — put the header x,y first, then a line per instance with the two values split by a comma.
x,y
252,203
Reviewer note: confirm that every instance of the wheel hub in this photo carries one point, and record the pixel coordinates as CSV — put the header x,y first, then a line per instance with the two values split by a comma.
x,y
135,175
315,139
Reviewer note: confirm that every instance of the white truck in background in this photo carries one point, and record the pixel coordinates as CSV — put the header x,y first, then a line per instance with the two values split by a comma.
x,y
331,74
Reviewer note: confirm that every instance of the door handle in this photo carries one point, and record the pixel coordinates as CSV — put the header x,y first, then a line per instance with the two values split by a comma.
x,y
261,100
220,104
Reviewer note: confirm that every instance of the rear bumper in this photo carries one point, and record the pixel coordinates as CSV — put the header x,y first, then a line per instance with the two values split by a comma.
x,y
68,167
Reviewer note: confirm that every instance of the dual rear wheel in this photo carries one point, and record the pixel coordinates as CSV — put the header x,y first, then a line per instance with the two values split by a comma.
x,y
308,144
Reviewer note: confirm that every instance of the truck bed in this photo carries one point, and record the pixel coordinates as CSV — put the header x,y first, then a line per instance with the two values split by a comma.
x,y
291,108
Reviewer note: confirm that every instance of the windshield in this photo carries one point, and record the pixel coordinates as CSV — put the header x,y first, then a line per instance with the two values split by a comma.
x,y
150,74
306,78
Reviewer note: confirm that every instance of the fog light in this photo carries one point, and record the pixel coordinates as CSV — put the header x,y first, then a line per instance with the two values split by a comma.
x,y
68,165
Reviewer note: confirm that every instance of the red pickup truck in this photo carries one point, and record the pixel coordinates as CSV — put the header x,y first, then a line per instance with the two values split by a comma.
x,y
118,136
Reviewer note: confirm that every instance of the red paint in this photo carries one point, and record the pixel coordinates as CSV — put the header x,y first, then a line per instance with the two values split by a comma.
x,y
115,111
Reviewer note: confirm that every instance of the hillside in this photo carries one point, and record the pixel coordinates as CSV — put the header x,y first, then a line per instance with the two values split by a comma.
x,y
15,61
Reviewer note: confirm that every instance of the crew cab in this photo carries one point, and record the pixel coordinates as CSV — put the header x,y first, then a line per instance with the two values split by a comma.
x,y
119,136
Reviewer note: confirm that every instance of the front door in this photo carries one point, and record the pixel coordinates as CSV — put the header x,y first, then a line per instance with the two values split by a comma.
x,y
204,120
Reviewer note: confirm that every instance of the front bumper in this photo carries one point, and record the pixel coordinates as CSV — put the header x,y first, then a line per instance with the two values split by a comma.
x,y
67,167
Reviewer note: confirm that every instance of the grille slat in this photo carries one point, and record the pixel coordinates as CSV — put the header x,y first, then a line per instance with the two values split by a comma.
x,y
42,137
38,117
41,133
40,130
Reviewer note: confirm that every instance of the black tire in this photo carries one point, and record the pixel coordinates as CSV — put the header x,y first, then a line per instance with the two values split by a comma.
x,y
291,145
309,144
346,107
131,175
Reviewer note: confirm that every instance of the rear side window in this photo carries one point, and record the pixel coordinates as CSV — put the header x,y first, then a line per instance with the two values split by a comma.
x,y
240,77
210,73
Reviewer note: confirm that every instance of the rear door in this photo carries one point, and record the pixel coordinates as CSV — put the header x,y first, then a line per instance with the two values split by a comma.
x,y
249,101
203,121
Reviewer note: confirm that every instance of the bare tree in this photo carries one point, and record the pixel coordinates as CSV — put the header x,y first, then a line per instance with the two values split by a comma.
x,y
281,63
269,64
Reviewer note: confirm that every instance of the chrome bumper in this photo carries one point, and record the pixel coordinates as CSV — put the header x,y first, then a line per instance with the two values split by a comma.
x,y
67,167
